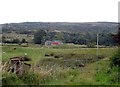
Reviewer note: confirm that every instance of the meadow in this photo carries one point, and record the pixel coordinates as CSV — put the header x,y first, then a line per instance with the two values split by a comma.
x,y
60,66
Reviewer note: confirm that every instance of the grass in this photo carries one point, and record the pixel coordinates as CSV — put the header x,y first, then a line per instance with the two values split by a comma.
x,y
31,52
106,75
38,53
12,36
54,71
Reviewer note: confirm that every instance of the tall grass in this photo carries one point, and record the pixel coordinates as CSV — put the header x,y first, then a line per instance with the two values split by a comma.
x,y
57,71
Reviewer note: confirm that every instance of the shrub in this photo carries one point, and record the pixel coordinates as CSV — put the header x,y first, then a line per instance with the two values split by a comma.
x,y
115,60
31,78
115,64
91,45
11,79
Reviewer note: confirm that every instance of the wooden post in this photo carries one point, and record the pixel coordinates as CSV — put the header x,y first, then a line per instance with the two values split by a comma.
x,y
97,43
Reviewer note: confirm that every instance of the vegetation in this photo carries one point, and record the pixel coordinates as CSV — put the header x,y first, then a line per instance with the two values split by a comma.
x,y
39,37
115,60
77,62
29,27
76,33
49,70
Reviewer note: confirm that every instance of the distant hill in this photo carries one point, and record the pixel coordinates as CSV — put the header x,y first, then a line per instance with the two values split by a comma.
x,y
64,26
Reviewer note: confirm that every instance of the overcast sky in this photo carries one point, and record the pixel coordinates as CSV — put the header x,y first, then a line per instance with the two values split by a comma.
x,y
58,11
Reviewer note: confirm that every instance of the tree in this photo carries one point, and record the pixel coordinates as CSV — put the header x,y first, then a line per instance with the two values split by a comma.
x,y
40,37
23,40
117,36
15,41
115,60
3,39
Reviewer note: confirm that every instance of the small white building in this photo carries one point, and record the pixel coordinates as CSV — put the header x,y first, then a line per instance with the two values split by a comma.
x,y
48,43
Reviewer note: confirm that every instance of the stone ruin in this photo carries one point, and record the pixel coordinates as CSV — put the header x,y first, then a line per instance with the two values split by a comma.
x,y
18,65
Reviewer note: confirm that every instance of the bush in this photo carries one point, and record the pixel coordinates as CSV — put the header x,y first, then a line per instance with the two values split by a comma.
x,y
91,45
11,79
115,60
115,64
31,78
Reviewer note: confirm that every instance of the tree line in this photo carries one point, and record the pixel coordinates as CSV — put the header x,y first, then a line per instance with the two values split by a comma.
x,y
76,38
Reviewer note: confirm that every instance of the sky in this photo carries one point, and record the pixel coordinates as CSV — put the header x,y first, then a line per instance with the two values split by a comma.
x,y
15,11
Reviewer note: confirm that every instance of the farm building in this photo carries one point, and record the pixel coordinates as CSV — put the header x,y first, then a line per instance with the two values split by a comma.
x,y
56,42
49,43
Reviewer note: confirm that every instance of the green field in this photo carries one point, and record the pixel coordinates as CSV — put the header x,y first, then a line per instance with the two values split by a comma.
x,y
59,67
36,53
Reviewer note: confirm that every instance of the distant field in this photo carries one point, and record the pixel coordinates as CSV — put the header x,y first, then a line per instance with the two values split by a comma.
x,y
11,36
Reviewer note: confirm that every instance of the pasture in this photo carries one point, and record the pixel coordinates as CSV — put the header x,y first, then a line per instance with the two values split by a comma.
x,y
53,66
36,53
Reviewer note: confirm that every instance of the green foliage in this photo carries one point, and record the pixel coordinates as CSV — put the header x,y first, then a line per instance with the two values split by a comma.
x,y
62,26
11,79
106,39
115,67
115,59
50,71
39,37
23,40
108,76
105,75
31,78
15,41
91,45
77,33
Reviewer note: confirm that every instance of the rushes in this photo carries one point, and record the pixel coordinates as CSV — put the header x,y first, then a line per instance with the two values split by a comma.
x,y
56,66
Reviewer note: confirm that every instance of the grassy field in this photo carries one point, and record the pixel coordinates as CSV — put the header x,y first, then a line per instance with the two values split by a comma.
x,y
59,66
11,36
36,53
